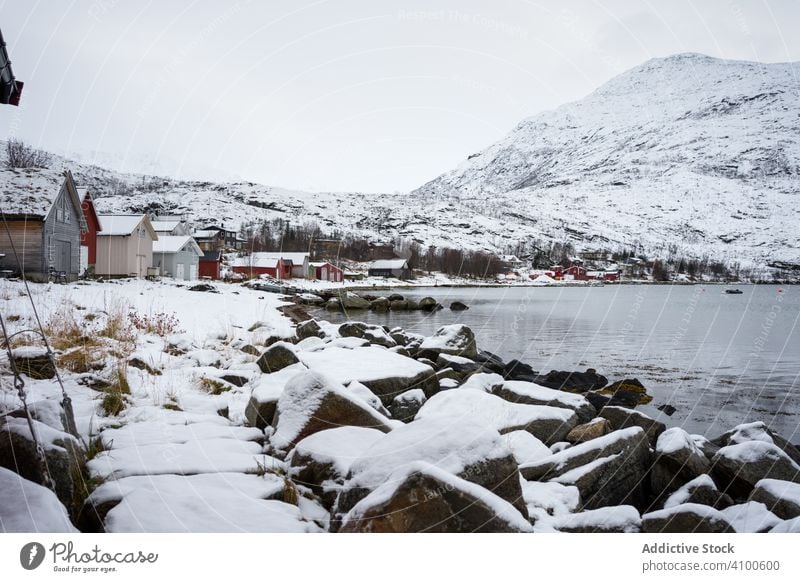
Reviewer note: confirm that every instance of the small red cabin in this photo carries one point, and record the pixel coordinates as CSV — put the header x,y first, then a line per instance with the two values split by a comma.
x,y
210,264
325,271
576,273
89,236
254,266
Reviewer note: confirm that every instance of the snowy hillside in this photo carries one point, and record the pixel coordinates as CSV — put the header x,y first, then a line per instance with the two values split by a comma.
x,y
688,154
691,150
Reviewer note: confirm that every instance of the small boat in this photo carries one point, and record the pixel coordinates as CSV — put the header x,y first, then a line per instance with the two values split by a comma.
x,y
733,291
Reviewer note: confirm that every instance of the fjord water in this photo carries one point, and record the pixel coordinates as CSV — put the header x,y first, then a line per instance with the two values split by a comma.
x,y
719,359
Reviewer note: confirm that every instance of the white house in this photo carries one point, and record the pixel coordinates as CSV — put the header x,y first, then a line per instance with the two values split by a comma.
x,y
125,245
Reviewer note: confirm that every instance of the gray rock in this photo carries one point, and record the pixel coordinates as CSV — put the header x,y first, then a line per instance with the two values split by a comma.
x,y
429,304
260,413
686,518
455,339
458,306
406,405
333,304
678,461
623,418
737,468
34,362
781,497
701,490
530,393
398,305
379,304
374,334
757,431
591,430
307,329
353,301
277,357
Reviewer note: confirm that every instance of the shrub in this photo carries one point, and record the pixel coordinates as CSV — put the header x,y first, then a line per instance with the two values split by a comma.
x,y
161,324
21,155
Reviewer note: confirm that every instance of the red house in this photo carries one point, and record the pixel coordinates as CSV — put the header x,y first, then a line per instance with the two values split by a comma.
x,y
325,271
255,265
576,273
88,236
210,264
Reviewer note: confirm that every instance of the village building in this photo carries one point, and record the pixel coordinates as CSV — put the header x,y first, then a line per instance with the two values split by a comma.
x,y
88,250
170,226
177,257
511,263
211,265
397,268
325,271
258,264
217,238
45,224
125,245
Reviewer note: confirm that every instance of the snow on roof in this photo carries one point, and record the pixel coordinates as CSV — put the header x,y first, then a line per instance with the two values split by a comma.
x,y
31,192
296,258
164,225
174,244
389,264
205,233
254,261
119,224
322,264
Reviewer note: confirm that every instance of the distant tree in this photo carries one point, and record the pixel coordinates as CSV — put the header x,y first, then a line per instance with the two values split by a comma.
x,y
660,272
21,155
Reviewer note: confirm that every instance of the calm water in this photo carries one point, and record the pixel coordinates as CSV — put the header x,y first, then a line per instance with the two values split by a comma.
x,y
719,359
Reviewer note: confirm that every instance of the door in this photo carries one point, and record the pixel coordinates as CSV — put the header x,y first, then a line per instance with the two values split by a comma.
x,y
179,271
63,256
192,272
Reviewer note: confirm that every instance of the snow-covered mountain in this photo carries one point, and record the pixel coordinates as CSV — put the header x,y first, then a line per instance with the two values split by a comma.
x,y
691,151
687,154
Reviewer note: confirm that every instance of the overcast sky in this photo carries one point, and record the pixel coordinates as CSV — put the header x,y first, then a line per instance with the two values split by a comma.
x,y
338,95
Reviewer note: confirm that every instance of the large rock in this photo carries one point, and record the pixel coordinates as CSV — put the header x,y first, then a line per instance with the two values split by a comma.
x,y
353,301
374,334
312,402
530,393
384,372
64,456
678,461
34,362
621,519
629,392
379,304
757,431
463,366
737,468
263,402
455,339
578,382
459,446
321,461
751,517
620,418
458,306
421,497
781,497
701,490
27,507
546,423
609,470
276,357
307,329
406,406
429,304
686,518
593,429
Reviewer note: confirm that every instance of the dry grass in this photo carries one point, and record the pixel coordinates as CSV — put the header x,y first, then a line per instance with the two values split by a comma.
x,y
82,360
115,399
118,326
213,386
64,332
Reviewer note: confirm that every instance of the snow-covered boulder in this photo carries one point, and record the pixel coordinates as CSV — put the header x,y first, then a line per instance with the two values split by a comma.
x,y
50,412
420,497
311,402
702,490
27,507
321,461
620,418
526,447
530,393
781,497
373,334
456,339
405,406
757,431
277,357
609,470
545,500
576,382
678,461
204,503
751,517
546,423
63,452
384,372
593,429
686,518
619,519
738,467
34,361
307,329
788,526
459,446
260,410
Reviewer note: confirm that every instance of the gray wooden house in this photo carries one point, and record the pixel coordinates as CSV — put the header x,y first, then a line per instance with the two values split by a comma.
x,y
42,212
397,268
177,257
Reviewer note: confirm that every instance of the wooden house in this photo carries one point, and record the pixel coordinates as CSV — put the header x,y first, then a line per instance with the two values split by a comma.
x,y
257,264
210,264
170,226
325,271
44,220
88,250
177,257
575,273
397,268
125,245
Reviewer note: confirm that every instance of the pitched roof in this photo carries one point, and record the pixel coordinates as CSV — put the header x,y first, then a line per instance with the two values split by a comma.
x,y
389,264
255,261
211,256
33,192
123,224
295,258
164,225
206,233
175,244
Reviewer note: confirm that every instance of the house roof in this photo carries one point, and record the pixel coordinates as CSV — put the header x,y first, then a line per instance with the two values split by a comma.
x,y
206,233
164,225
255,262
389,264
84,195
123,224
295,258
322,264
211,256
33,192
175,244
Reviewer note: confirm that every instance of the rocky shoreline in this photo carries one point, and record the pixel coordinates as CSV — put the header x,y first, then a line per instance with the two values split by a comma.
x,y
362,428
